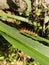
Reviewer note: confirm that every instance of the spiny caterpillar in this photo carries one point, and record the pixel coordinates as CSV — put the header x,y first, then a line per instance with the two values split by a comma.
x,y
26,28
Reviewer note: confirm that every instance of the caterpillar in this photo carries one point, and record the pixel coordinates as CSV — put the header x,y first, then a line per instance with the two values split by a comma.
x,y
24,30
28,29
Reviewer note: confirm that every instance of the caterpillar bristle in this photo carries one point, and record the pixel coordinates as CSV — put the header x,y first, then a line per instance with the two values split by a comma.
x,y
28,32
28,29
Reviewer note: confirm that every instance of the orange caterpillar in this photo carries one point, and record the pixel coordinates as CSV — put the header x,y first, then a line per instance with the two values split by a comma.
x,y
28,32
26,28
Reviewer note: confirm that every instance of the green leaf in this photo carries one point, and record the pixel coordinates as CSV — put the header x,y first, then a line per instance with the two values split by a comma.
x,y
46,20
37,38
38,13
29,7
28,50
47,27
29,46
17,17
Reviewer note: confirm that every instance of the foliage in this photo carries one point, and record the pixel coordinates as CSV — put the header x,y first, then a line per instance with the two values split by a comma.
x,y
29,7
26,44
34,46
